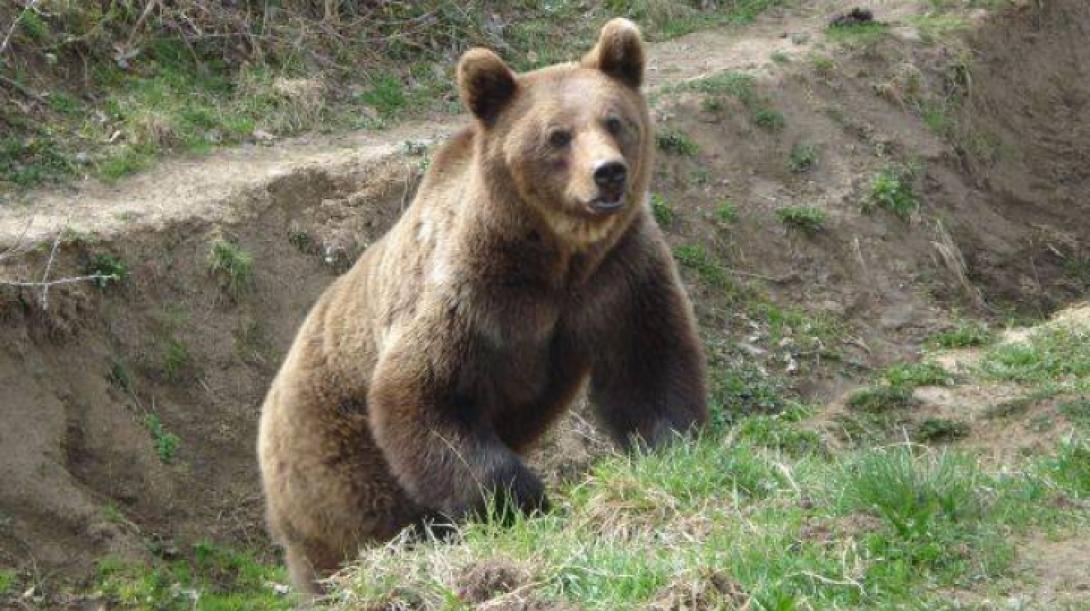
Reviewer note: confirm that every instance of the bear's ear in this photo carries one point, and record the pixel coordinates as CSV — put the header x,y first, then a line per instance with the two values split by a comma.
x,y
619,52
486,83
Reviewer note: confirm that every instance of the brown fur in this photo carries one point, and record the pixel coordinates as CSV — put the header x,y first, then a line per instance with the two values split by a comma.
x,y
420,375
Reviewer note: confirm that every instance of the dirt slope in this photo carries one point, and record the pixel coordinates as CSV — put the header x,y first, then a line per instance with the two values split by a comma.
x,y
1002,223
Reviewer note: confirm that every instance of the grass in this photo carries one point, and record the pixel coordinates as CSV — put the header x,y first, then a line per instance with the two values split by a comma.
x,y
965,334
769,119
822,64
663,211
806,219
210,578
196,88
734,519
8,579
695,257
1055,358
176,359
803,158
726,211
233,265
166,443
891,189
933,430
859,34
111,270
676,142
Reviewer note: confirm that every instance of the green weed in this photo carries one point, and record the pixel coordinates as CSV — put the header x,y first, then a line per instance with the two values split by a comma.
x,y
1070,467
914,375
386,94
891,189
120,377
176,359
166,443
807,219
822,64
780,57
1077,411
861,34
803,158
109,269
210,577
769,119
676,142
878,399
1054,356
233,265
695,257
965,334
8,580
934,430
663,211
726,211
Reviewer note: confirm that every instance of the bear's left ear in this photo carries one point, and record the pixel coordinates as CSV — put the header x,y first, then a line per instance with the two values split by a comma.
x,y
619,52
486,84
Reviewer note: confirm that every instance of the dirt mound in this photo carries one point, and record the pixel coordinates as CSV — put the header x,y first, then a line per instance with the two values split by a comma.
x,y
131,408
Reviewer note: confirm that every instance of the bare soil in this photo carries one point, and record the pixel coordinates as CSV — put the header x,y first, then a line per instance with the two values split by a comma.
x,y
1003,221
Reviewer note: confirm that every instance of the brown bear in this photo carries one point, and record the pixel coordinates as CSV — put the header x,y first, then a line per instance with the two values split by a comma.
x,y
528,264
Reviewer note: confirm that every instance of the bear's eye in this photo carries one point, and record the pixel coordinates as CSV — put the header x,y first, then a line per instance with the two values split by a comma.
x,y
560,137
614,125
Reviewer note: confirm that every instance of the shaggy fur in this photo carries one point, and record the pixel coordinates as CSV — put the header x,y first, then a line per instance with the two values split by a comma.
x,y
516,275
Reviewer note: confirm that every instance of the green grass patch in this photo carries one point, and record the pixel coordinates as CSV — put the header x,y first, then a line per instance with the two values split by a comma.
x,y
8,581
176,359
861,34
806,219
166,443
233,265
964,334
933,430
110,269
737,84
803,158
891,189
211,578
662,210
726,212
676,142
914,375
742,520
769,119
822,64
697,258
878,399
1077,411
1054,357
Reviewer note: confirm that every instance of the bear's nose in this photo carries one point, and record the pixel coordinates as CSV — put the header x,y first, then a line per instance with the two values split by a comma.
x,y
610,174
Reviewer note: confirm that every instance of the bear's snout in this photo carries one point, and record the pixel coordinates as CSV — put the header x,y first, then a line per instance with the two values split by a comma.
x,y
611,177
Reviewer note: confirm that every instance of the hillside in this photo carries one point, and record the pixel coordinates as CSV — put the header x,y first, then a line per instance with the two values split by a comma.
x,y
876,221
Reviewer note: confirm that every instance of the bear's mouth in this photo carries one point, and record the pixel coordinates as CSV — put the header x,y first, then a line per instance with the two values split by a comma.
x,y
606,205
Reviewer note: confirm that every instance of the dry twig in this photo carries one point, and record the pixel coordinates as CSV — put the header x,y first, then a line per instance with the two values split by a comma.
x,y
45,284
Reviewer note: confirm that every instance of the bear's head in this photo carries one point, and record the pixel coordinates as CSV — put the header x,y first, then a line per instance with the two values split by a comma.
x,y
573,140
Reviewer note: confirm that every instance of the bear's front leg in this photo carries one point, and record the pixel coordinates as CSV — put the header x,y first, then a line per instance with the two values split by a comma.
x,y
440,449
648,381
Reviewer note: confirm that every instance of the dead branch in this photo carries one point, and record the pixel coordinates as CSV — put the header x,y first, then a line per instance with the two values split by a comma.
x,y
15,24
45,284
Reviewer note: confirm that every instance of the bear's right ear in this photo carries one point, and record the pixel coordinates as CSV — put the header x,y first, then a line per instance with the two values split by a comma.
x,y
486,84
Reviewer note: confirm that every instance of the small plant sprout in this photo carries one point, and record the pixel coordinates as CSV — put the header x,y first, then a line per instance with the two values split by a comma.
x,y
233,265
664,213
891,189
807,219
676,142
